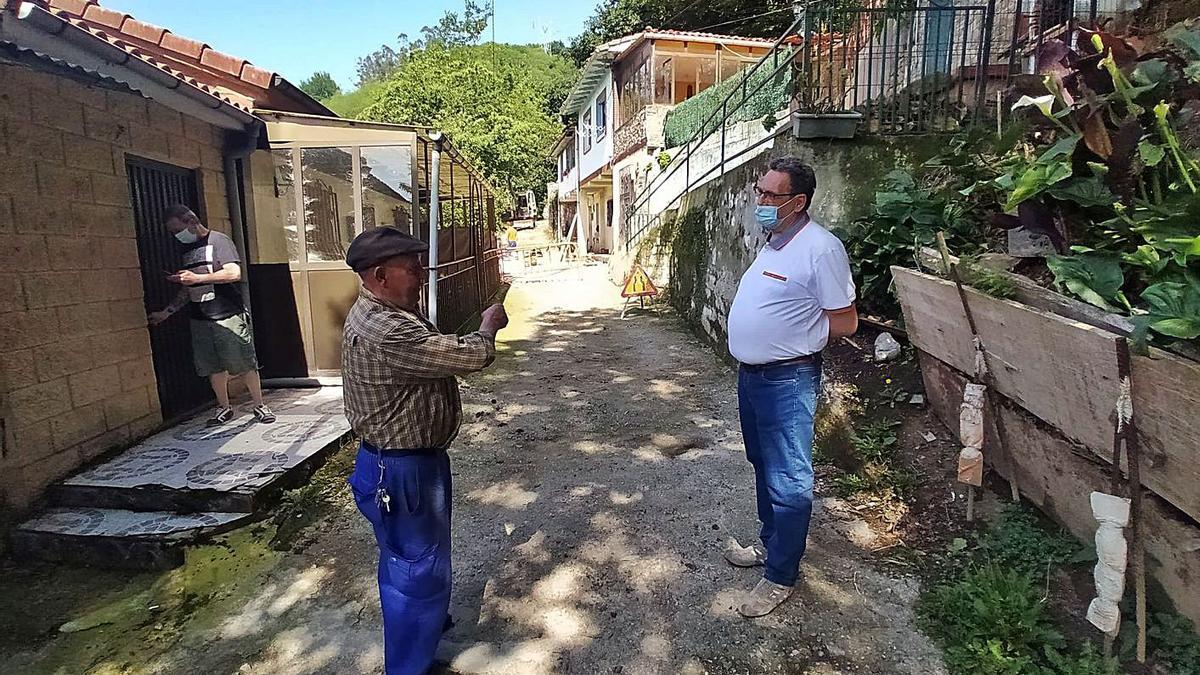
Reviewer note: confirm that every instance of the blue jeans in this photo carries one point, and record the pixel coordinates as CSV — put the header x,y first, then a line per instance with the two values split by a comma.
x,y
777,406
413,535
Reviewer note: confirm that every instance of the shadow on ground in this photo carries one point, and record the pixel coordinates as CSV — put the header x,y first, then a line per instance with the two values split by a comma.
x,y
599,474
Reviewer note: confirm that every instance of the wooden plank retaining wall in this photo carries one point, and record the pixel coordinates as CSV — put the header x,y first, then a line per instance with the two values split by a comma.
x,y
1064,372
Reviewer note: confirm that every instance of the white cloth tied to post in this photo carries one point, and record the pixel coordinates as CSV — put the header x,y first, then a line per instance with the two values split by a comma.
x,y
970,433
1112,513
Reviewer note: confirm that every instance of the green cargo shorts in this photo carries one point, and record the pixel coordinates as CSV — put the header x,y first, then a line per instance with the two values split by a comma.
x,y
225,346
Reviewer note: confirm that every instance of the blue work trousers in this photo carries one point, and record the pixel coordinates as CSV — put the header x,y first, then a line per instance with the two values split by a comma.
x,y
413,535
777,406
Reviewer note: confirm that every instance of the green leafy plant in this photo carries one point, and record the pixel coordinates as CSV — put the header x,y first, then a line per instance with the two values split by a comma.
x,y
1110,179
991,620
989,609
663,159
880,471
1096,277
904,217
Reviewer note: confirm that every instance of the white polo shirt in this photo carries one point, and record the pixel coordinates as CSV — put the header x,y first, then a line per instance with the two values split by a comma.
x,y
778,312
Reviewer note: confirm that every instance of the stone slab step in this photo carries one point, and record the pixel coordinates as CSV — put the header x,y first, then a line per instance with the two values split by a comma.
x,y
116,537
235,467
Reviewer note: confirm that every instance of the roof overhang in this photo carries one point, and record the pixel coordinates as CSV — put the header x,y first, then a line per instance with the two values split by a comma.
x,y
592,74
564,141
43,33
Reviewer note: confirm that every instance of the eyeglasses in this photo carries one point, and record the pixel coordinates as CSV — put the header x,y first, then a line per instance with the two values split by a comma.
x,y
767,194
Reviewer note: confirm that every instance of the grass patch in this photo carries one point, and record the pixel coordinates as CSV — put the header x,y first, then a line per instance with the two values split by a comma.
x,y
991,614
1171,638
879,471
300,508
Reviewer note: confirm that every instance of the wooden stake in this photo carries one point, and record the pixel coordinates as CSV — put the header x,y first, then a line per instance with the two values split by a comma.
x,y
1137,549
970,503
1016,493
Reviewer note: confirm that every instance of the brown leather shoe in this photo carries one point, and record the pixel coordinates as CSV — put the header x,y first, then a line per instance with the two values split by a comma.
x,y
745,556
763,600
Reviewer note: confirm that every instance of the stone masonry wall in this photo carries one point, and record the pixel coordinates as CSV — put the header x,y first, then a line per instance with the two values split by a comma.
x,y
76,376
710,253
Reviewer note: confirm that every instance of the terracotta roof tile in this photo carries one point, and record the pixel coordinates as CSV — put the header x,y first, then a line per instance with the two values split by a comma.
x,y
105,16
222,61
138,53
143,31
183,57
77,7
259,77
185,46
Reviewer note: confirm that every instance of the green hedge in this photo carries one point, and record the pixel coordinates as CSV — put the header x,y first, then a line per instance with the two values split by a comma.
x,y
683,121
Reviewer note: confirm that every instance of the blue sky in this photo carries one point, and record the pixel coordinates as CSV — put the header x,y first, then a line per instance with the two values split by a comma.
x,y
297,38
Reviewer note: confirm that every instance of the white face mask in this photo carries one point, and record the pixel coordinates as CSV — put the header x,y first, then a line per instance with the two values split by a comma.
x,y
186,237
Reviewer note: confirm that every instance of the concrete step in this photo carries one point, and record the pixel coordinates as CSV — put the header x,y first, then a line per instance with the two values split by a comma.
x,y
116,537
184,483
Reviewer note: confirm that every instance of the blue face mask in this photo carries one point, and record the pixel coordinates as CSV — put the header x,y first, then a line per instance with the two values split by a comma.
x,y
186,237
766,216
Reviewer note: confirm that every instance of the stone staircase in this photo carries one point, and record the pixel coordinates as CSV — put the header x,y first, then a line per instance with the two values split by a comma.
x,y
140,508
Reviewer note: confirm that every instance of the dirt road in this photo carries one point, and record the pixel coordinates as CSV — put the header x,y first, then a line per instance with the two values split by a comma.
x,y
598,476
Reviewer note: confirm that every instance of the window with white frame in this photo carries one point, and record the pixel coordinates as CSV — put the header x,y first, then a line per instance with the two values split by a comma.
x,y
601,115
586,123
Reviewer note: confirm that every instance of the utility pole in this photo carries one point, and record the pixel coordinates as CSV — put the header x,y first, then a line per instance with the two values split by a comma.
x,y
435,187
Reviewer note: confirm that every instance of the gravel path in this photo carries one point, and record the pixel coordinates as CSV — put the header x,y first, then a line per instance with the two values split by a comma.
x,y
598,477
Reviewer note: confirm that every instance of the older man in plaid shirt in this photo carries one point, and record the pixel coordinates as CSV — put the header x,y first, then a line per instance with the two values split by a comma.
x,y
401,395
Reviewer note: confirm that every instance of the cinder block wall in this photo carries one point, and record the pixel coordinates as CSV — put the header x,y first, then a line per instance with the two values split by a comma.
x,y
76,376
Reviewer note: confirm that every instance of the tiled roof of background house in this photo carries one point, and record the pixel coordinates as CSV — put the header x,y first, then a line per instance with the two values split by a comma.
x,y
706,37
235,78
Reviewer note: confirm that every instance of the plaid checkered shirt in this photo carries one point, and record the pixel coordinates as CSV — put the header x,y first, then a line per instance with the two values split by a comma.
x,y
399,375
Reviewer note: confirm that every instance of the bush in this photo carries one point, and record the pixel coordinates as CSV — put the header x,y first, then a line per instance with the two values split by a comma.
x,y
764,95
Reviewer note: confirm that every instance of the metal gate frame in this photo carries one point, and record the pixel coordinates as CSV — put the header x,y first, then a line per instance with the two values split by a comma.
x,y
153,186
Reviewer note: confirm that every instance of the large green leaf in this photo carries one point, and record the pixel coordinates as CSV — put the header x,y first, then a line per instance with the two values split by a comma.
x,y
1063,148
1185,37
1151,153
1174,309
1085,192
1192,70
1095,278
1035,180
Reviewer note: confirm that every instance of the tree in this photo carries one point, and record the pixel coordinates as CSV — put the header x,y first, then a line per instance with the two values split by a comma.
x,y
501,114
453,30
321,86
380,63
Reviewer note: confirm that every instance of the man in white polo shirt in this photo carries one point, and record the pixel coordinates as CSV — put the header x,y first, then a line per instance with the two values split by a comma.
x,y
797,295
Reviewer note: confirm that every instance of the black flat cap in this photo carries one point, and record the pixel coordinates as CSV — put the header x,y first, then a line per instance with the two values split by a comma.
x,y
377,244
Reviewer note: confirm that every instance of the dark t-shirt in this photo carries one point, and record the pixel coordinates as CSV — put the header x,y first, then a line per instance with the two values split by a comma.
x,y
209,254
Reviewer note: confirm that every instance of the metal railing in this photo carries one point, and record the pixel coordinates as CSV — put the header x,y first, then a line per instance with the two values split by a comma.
x,y
640,218
920,69
905,70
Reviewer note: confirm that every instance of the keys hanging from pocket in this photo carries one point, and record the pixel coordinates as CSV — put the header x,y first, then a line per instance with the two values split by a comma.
x,y
383,500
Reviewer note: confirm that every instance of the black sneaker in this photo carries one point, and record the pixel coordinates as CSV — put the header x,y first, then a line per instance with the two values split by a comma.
x,y
263,414
222,416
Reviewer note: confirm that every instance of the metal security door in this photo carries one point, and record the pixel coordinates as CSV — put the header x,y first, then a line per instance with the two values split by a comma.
x,y
154,186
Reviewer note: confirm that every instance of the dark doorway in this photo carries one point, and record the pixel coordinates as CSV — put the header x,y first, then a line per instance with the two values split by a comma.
x,y
154,186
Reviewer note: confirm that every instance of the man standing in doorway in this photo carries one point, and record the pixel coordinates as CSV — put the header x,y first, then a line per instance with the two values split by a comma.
x,y
222,338
796,296
401,395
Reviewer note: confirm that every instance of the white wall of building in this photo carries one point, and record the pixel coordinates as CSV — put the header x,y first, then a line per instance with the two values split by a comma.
x,y
601,152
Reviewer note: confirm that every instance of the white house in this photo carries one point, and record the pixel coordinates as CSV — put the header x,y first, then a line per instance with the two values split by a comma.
x,y
615,115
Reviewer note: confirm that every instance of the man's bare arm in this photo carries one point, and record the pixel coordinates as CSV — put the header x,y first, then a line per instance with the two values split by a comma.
x,y
842,322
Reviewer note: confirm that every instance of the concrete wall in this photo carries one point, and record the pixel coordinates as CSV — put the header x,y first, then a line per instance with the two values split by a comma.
x,y
76,376
713,246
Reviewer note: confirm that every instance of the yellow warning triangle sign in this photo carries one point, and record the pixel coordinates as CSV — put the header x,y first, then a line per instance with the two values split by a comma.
x,y
638,284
